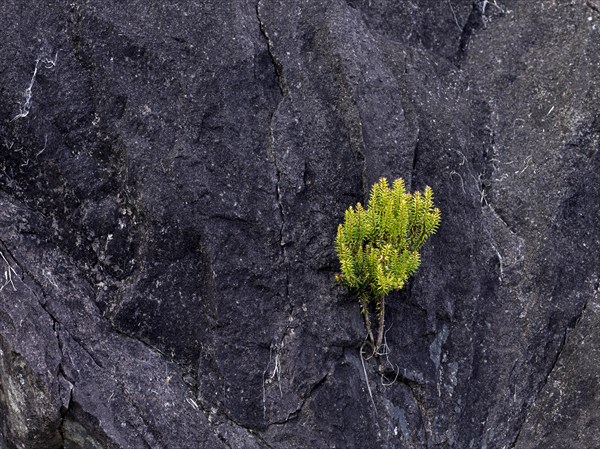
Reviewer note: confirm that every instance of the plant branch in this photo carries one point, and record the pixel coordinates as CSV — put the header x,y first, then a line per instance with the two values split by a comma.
x,y
381,319
364,307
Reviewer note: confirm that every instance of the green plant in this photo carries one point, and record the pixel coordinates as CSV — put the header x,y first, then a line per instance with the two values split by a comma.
x,y
378,247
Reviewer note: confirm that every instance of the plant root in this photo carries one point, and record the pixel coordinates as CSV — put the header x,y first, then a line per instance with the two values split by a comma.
x,y
362,361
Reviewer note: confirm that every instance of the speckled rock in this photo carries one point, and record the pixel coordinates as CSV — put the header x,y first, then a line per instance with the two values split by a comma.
x,y
171,178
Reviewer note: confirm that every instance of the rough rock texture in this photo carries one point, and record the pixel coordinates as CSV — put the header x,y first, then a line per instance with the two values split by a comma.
x,y
171,178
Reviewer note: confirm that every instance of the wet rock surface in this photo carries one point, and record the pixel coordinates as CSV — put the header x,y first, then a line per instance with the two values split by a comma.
x,y
171,179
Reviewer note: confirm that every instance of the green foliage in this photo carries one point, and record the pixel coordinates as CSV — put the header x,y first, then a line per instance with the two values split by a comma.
x,y
378,247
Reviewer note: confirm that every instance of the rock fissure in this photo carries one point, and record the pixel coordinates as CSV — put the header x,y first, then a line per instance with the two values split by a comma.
x,y
559,351
56,329
270,49
549,372
278,197
592,5
474,22
147,345
298,411
501,218
278,181
579,316
42,304
217,416
261,439
454,16
64,412
271,144
97,362
56,324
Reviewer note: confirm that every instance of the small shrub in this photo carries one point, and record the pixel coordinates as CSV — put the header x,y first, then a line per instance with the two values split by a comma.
x,y
378,247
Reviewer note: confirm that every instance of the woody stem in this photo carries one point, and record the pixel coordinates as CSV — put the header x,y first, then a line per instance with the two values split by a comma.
x,y
364,308
381,310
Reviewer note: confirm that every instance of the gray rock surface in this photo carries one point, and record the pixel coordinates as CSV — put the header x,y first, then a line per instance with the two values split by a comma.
x,y
171,178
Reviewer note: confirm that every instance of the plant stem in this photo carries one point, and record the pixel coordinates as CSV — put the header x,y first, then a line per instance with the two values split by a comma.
x,y
364,306
381,310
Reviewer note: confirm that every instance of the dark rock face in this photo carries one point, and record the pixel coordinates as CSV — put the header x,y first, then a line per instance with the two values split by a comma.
x,y
171,178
